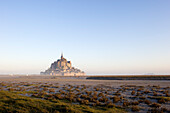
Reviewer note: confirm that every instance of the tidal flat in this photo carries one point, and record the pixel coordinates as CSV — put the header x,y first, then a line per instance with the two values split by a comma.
x,y
78,94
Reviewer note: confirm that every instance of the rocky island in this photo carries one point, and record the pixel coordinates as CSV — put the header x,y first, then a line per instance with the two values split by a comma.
x,y
62,67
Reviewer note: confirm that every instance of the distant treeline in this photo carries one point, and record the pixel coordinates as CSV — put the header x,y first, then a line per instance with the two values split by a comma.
x,y
137,77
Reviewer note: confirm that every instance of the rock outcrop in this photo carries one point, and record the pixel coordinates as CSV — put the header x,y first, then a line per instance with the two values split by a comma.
x,y
62,67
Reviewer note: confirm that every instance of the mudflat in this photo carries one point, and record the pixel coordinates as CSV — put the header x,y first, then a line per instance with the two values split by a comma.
x,y
83,80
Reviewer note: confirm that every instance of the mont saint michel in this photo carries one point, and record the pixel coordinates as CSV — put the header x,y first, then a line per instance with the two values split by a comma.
x,y
62,67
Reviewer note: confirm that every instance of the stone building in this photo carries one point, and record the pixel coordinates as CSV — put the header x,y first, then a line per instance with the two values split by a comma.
x,y
62,67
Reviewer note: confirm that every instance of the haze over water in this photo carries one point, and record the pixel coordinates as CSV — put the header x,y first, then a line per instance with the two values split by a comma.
x,y
99,37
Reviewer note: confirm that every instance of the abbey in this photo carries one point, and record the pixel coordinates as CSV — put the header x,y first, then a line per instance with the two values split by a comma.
x,y
62,67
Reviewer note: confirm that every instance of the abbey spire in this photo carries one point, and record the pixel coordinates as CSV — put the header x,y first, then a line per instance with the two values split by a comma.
x,y
62,55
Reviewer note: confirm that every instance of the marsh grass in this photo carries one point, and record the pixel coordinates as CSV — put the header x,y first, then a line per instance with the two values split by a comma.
x,y
99,97
155,105
11,102
135,108
147,102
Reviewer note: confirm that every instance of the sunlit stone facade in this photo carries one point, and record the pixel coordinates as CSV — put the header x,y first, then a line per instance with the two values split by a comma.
x,y
62,67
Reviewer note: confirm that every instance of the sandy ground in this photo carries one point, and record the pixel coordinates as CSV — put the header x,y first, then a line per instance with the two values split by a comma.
x,y
81,81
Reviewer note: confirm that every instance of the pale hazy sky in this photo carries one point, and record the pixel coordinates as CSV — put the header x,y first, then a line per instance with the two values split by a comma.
x,y
98,36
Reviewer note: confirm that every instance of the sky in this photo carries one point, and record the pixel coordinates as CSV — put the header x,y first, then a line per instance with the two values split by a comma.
x,y
97,36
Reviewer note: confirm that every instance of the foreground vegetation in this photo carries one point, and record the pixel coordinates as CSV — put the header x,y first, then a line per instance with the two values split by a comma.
x,y
48,97
12,102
